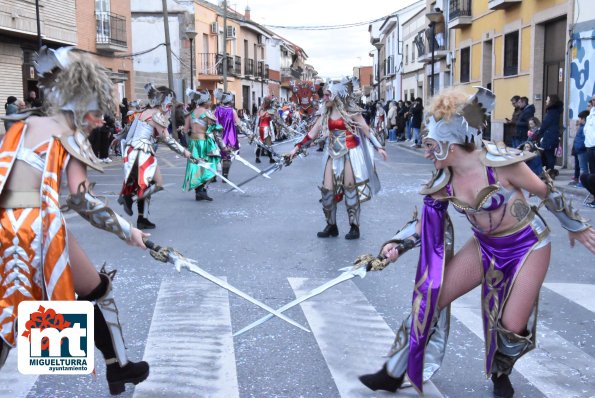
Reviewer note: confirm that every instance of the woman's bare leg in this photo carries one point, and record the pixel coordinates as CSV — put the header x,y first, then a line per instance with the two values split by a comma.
x,y
84,273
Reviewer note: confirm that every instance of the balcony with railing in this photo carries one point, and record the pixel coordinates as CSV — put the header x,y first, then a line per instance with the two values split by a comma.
x,y
211,65
249,67
260,69
230,65
459,14
389,66
502,4
237,65
423,42
111,32
266,71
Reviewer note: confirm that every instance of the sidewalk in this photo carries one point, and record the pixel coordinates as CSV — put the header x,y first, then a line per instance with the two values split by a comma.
x,y
561,182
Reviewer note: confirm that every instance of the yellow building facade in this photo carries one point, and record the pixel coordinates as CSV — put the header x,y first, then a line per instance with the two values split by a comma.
x,y
514,47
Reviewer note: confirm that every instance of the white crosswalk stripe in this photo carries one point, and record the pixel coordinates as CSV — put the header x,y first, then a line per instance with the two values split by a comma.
x,y
551,366
190,347
583,295
352,336
13,383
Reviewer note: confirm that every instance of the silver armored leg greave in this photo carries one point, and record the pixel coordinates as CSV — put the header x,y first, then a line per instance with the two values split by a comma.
x,y
107,306
329,206
152,189
511,347
396,365
352,204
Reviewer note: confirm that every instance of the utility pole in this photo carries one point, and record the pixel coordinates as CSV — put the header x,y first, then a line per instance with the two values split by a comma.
x,y
39,42
224,45
170,74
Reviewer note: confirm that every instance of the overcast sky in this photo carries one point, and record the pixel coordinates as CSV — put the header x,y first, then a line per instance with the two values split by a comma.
x,y
333,53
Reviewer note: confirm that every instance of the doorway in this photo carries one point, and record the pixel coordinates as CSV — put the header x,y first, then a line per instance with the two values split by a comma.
x,y
246,98
554,59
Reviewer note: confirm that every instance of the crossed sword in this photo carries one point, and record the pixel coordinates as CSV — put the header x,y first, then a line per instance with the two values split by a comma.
x,y
361,266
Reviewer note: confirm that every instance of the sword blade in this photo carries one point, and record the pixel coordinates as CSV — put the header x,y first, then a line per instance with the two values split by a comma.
x,y
345,276
248,164
266,171
235,187
182,262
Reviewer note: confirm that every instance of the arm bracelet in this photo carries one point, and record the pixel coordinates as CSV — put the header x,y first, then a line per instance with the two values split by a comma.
x,y
94,210
562,209
174,145
304,141
407,237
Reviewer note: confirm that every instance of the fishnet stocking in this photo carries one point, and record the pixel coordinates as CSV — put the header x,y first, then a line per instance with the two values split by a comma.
x,y
462,274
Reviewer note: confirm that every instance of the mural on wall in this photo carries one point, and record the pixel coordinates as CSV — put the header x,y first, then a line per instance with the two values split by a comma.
x,y
582,80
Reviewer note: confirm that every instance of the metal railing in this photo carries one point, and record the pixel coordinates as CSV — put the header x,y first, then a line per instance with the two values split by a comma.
x,y
249,66
111,29
212,64
459,8
266,71
260,69
237,66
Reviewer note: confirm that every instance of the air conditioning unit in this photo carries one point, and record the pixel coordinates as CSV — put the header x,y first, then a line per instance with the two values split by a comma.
x,y
214,28
231,32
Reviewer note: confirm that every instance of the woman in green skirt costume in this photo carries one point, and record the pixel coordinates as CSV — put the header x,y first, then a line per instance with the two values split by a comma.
x,y
202,144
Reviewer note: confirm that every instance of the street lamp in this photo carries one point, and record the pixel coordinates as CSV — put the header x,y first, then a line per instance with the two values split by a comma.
x,y
434,17
191,34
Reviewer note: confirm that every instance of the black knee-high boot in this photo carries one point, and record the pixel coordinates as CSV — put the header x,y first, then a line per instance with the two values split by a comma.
x,y
109,339
258,155
142,222
381,380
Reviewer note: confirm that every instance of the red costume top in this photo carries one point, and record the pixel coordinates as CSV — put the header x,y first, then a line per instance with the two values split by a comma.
x,y
339,124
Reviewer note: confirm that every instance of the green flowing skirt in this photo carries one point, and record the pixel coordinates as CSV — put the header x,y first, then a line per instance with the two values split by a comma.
x,y
207,151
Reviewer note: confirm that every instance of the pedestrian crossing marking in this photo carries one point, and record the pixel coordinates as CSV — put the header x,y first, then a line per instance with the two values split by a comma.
x,y
190,346
13,383
352,336
581,294
556,367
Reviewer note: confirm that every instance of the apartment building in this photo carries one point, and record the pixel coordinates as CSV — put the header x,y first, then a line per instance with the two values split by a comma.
x,y
18,41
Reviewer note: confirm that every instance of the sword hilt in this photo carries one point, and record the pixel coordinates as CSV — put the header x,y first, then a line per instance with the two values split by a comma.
x,y
152,245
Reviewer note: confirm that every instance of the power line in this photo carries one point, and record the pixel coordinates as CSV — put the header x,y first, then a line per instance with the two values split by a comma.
x,y
322,27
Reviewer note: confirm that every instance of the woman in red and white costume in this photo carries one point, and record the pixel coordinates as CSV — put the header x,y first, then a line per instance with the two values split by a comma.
x,y
142,176
265,126
349,170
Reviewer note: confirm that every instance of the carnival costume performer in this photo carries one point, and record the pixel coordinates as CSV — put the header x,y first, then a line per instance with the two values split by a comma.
x,y
266,130
39,258
228,118
348,161
142,176
508,255
203,144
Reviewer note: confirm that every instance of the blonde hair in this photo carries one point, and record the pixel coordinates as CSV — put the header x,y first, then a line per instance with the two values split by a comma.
x,y
448,103
79,84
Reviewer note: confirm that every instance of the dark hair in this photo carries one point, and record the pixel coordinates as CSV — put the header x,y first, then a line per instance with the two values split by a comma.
x,y
525,99
536,121
554,101
468,146
10,100
583,114
515,98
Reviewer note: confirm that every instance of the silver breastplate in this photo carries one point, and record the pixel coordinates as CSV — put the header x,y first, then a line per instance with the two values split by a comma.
x,y
337,143
141,136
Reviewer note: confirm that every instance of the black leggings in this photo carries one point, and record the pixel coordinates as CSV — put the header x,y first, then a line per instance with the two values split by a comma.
x,y
588,181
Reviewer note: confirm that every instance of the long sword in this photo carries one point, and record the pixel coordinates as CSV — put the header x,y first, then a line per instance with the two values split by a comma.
x,y
268,171
235,155
170,255
206,166
348,273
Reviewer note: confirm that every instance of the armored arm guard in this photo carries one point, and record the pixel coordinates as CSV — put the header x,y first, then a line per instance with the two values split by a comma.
x,y
94,210
175,146
375,141
304,141
407,237
562,209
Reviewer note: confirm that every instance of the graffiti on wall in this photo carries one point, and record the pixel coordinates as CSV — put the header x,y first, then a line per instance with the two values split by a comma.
x,y
582,73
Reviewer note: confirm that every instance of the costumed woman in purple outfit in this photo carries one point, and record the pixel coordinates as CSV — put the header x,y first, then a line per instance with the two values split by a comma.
x,y
508,255
228,118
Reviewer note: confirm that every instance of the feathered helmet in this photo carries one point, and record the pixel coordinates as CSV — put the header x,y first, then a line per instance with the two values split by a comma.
x,y
160,96
225,97
456,118
347,88
198,96
73,82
